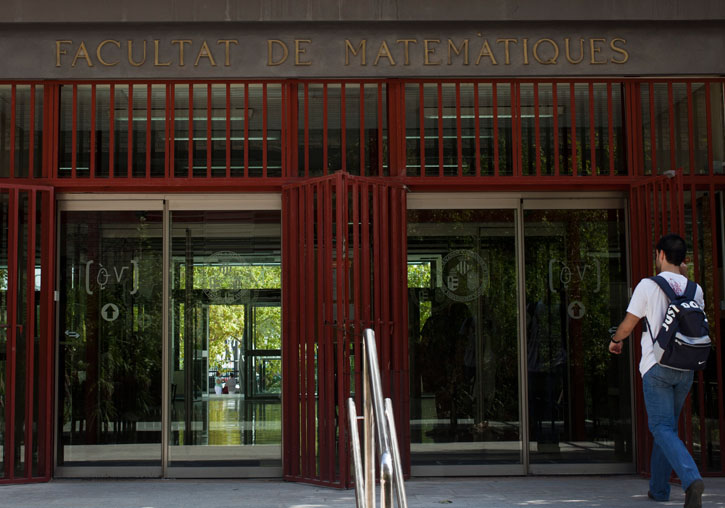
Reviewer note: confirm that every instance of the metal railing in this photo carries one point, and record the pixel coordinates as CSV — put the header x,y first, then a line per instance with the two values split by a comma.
x,y
380,429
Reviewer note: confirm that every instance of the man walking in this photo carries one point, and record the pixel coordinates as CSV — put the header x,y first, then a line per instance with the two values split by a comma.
x,y
665,389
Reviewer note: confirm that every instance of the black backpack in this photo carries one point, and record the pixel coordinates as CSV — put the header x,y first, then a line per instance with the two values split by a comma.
x,y
683,342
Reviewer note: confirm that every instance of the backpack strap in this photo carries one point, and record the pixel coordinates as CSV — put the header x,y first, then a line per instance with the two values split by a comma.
x,y
690,290
665,286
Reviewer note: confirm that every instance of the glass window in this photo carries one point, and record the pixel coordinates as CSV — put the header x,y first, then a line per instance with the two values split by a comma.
x,y
463,324
110,318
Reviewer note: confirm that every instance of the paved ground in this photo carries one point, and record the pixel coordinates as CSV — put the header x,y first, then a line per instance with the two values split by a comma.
x,y
583,491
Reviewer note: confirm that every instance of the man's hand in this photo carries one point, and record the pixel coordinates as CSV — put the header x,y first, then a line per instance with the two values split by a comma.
x,y
615,348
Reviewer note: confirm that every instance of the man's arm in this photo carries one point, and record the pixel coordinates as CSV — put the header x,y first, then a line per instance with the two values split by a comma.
x,y
624,330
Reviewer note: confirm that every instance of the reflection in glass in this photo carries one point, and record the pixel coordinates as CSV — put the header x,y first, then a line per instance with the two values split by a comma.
x,y
576,289
109,370
226,371
463,315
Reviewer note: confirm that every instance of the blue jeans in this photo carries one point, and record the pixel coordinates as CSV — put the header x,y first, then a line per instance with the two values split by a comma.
x,y
665,391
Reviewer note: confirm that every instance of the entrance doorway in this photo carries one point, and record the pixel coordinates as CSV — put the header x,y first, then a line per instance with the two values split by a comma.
x,y
170,342
510,299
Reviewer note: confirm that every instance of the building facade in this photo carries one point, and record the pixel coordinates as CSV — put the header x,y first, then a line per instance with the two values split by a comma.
x,y
204,204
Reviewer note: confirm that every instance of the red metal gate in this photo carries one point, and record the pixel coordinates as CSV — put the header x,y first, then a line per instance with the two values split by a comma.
x,y
344,269
656,207
26,328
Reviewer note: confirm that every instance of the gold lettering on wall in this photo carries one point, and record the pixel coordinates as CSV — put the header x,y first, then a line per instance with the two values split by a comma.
x,y
384,52
205,52
361,48
227,42
407,43
506,43
594,49
453,49
547,61
430,51
59,51
568,51
299,51
156,56
100,56
486,51
181,43
130,54
617,49
459,52
271,43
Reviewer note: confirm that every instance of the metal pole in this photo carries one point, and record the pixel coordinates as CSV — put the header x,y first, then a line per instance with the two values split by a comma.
x,y
356,455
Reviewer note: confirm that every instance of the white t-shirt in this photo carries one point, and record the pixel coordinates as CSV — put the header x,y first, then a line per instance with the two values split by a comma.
x,y
648,300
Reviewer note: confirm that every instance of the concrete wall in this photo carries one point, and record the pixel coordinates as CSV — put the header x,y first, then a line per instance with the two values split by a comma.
x,y
161,11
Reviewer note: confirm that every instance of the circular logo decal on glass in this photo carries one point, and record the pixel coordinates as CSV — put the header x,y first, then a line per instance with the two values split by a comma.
x,y
222,278
465,275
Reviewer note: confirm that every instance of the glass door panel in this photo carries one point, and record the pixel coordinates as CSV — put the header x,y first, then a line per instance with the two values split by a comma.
x,y
464,346
579,395
225,340
110,336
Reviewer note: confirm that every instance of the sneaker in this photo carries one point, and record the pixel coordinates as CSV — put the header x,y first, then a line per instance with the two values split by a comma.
x,y
652,497
693,494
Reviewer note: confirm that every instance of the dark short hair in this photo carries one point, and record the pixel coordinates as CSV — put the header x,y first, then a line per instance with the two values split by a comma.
x,y
674,248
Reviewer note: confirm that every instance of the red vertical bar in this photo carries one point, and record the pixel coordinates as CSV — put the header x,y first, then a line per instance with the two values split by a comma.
x,y
228,129
316,195
343,126
47,274
12,300
494,100
246,130
169,130
303,349
287,330
190,170
325,368
307,129
208,130
421,109
92,167
440,129
572,106
516,128
356,282
690,130
265,123
324,130
31,137
716,306
366,255
362,130
671,111
380,132
653,128
610,126
477,123
13,127
129,154
112,131
343,305
592,139
555,106
149,119
708,117
30,333
459,140
74,133
537,129
383,267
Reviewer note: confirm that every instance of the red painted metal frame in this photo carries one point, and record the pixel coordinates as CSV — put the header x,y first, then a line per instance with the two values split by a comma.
x,y
651,201
36,205
344,263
